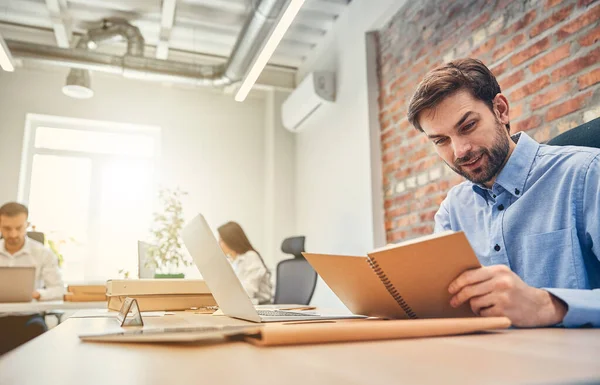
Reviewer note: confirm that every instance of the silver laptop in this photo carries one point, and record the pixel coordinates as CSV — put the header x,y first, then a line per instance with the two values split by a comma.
x,y
17,283
225,285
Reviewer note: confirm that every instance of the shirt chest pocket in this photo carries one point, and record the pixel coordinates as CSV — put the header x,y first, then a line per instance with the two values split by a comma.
x,y
548,259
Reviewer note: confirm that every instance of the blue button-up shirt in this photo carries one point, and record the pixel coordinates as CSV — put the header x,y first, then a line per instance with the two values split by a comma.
x,y
541,218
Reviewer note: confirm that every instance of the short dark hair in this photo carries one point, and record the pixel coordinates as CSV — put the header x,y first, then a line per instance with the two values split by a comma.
x,y
462,74
12,209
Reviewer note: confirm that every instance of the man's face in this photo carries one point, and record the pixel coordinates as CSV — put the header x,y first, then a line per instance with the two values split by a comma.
x,y
468,136
13,229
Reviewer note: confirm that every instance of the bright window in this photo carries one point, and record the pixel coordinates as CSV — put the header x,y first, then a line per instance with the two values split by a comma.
x,y
90,187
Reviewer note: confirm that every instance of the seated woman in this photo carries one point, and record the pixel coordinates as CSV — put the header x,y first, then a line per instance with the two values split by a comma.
x,y
247,263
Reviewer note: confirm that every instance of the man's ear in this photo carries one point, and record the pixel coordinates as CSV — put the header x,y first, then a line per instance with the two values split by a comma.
x,y
501,108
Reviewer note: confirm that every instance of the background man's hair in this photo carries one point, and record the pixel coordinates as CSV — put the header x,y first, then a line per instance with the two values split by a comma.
x,y
462,74
12,209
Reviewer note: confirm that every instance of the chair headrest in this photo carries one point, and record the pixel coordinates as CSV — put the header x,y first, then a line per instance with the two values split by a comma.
x,y
294,246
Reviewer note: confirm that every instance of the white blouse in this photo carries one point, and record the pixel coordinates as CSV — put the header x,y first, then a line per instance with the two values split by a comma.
x,y
255,278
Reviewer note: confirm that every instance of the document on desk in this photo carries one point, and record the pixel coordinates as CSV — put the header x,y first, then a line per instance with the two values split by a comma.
x,y
306,332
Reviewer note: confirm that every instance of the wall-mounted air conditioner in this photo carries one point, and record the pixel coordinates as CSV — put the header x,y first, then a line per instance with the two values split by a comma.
x,y
317,89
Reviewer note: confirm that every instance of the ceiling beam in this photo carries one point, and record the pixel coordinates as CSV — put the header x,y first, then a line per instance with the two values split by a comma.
x,y
166,25
61,24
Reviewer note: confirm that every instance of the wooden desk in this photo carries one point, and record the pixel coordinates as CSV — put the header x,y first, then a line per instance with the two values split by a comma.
x,y
40,306
511,356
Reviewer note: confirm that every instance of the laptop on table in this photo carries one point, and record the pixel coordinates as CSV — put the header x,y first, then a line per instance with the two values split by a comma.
x,y
17,283
225,285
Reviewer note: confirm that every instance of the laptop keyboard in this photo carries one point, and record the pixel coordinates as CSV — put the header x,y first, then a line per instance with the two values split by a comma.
x,y
279,313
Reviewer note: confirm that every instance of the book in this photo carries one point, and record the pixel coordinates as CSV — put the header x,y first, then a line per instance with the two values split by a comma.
x,y
75,297
87,289
155,286
408,280
164,302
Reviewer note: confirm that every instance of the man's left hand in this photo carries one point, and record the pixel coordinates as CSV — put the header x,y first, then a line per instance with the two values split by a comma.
x,y
498,291
36,295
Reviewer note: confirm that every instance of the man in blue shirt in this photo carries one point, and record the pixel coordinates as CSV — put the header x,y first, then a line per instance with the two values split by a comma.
x,y
530,211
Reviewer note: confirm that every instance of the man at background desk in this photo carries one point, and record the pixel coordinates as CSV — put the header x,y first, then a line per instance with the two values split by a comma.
x,y
16,249
530,211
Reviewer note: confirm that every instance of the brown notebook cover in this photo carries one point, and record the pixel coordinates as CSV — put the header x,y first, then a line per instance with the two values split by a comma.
x,y
408,280
293,333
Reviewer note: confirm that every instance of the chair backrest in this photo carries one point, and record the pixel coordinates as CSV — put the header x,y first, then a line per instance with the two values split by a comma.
x,y
294,246
37,236
587,134
296,279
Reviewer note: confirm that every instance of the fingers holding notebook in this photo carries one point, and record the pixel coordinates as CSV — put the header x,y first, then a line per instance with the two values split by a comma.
x,y
497,291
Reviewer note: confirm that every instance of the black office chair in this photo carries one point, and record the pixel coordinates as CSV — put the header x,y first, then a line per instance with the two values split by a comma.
x,y
587,134
296,279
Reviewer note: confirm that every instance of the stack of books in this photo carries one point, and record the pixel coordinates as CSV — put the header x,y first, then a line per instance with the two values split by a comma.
x,y
159,294
86,293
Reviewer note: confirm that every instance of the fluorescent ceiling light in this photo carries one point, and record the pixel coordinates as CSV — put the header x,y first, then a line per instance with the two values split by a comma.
x,y
265,54
6,60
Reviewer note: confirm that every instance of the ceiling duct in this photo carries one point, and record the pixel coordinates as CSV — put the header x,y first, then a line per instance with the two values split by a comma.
x,y
78,81
257,28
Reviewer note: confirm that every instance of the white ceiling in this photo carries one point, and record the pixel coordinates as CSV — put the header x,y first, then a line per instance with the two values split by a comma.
x,y
202,27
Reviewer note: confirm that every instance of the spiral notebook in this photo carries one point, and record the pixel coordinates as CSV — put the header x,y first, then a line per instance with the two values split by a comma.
x,y
408,280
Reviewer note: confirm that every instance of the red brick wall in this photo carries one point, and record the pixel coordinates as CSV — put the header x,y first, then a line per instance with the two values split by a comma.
x,y
545,54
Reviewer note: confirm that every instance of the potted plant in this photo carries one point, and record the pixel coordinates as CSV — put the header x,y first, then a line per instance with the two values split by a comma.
x,y
165,255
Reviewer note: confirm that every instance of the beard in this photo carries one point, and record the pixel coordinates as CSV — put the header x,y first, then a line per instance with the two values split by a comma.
x,y
495,156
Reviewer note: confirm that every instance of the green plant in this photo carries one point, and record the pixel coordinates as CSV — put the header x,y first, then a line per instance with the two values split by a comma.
x,y
165,254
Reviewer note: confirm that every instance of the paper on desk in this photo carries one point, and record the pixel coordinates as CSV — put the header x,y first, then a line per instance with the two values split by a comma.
x,y
105,313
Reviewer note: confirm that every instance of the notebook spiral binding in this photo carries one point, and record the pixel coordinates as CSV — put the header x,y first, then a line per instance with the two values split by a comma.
x,y
391,288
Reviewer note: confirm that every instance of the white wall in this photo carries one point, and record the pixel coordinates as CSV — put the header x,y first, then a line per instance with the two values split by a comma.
x,y
212,147
335,203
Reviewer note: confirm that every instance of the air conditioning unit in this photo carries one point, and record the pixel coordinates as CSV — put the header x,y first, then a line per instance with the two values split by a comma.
x,y
316,90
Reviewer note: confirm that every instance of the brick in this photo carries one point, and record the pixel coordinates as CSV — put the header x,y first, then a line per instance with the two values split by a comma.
x,y
495,26
551,96
479,22
589,79
516,111
526,124
530,51
585,3
542,135
427,216
397,235
552,3
576,65
550,22
509,46
511,80
530,88
551,58
484,48
500,68
388,135
567,107
520,24
590,16
590,38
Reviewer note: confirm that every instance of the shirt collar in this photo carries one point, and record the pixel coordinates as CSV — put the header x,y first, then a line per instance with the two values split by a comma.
x,y
514,174
24,250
